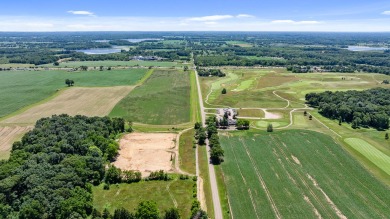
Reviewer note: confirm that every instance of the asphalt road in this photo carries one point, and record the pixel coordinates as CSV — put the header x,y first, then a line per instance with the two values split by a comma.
x,y
213,179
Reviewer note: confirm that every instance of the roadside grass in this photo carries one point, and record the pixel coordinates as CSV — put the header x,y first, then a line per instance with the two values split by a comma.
x,y
163,99
307,165
23,88
223,196
204,174
75,64
129,195
187,152
195,105
374,155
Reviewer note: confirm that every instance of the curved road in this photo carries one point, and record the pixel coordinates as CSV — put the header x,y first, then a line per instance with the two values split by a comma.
x,y
213,179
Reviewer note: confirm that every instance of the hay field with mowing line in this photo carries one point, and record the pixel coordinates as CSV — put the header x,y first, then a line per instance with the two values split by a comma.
x,y
298,174
374,155
23,88
9,134
163,99
74,101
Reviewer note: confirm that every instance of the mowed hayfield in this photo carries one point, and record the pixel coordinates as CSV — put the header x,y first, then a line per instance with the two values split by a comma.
x,y
98,101
8,134
76,64
163,99
23,88
298,174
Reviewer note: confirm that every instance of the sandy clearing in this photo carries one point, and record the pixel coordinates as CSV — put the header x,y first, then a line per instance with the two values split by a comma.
x,y
268,115
74,101
147,152
8,135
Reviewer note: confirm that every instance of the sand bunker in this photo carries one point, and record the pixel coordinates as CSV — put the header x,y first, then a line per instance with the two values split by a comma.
x,y
147,152
268,115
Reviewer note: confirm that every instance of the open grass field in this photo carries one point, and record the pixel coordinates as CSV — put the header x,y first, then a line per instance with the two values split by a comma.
x,y
165,193
187,160
23,88
16,65
298,174
374,155
74,101
251,113
239,43
74,64
163,99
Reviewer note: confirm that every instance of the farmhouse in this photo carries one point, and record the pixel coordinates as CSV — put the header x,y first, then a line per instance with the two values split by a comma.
x,y
227,114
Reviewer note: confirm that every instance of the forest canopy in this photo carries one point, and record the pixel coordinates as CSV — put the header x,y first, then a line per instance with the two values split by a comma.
x,y
368,108
51,170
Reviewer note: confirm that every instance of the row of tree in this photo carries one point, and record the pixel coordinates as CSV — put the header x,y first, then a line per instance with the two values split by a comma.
x,y
368,108
203,72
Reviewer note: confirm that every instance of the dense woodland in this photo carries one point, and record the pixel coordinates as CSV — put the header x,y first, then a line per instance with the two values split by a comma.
x,y
369,108
203,72
51,171
300,52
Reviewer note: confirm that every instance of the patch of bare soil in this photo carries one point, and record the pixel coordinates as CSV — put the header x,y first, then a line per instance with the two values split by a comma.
x,y
268,115
147,152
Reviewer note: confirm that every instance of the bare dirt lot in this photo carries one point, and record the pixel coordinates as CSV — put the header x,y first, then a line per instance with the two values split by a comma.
x,y
147,152
7,136
75,101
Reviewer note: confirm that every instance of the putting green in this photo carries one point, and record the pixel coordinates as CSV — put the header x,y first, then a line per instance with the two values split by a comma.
x,y
370,152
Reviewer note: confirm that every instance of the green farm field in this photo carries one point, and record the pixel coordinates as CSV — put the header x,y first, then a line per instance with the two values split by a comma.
x,y
20,89
163,99
298,174
164,193
187,152
73,64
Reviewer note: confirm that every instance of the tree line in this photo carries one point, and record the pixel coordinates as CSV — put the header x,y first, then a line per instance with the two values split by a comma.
x,y
368,108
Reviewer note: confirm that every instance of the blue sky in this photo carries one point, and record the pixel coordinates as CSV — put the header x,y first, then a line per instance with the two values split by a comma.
x,y
175,15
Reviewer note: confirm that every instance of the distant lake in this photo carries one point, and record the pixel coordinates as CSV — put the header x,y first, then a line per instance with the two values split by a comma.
x,y
99,51
130,40
141,40
365,48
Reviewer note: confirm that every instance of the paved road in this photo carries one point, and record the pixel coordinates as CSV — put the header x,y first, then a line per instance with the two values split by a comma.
x,y
213,179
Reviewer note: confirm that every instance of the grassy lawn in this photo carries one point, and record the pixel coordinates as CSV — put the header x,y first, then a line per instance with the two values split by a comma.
x,y
223,196
164,193
187,152
23,88
300,172
163,99
74,64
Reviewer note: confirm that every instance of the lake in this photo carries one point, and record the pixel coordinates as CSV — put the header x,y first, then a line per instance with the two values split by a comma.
x,y
365,48
99,51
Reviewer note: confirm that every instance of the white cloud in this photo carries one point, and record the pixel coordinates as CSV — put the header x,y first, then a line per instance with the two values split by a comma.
x,y
211,18
294,22
210,23
386,12
245,16
81,13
